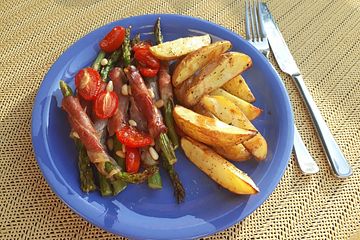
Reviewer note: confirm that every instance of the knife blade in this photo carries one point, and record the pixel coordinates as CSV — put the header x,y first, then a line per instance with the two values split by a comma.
x,y
339,165
277,43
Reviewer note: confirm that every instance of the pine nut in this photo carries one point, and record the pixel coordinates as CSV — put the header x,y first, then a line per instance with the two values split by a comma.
x,y
75,135
151,93
104,62
153,153
120,154
159,103
110,86
132,123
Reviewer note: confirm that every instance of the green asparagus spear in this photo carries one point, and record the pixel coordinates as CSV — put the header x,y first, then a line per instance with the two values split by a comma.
x,y
167,148
96,65
126,48
169,122
169,159
179,190
118,185
117,146
157,32
87,183
105,187
85,171
155,181
134,177
114,58
65,89
112,165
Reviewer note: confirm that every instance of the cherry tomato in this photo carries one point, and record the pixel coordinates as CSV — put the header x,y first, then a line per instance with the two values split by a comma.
x,y
105,104
132,160
141,45
145,57
113,39
148,72
130,137
87,83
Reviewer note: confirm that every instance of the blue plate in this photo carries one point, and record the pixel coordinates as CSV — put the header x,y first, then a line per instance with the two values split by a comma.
x,y
139,212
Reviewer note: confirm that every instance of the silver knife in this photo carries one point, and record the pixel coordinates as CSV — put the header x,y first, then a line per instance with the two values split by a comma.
x,y
287,64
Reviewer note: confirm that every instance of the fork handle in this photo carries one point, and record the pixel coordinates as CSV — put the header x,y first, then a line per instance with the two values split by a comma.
x,y
336,159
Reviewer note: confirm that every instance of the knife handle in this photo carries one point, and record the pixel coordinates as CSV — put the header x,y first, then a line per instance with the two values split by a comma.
x,y
337,161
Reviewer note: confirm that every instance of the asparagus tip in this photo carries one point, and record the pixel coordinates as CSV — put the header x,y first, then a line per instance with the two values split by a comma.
x,y
65,89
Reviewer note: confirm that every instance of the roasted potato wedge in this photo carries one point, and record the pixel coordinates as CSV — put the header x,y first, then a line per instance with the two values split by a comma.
x,y
175,49
198,108
250,111
209,130
229,113
217,168
197,60
212,76
236,153
238,87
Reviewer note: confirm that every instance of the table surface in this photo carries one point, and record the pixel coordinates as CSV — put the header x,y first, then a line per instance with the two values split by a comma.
x,y
324,38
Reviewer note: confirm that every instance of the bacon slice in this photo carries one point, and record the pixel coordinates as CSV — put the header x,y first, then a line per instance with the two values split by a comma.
x,y
137,116
120,117
144,102
165,86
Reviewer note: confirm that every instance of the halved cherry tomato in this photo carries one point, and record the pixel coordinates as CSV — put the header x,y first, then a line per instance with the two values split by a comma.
x,y
131,137
141,45
145,57
106,104
148,72
132,160
113,39
87,82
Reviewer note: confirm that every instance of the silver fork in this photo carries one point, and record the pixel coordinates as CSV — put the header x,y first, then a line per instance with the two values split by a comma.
x,y
256,36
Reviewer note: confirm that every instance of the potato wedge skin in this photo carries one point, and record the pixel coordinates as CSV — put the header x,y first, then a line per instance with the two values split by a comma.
x,y
250,111
229,113
214,75
175,49
217,168
239,88
198,59
209,130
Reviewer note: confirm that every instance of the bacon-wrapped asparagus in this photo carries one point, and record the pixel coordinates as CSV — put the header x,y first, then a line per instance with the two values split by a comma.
x,y
152,114
154,181
144,102
83,126
166,91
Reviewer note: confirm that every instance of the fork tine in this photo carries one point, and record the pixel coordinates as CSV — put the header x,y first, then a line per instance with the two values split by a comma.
x,y
252,22
255,20
261,22
247,20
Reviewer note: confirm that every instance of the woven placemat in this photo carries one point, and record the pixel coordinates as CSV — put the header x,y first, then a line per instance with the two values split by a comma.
x,y
324,38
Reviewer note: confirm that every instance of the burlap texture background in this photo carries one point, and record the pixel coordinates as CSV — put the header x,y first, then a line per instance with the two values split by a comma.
x,y
324,38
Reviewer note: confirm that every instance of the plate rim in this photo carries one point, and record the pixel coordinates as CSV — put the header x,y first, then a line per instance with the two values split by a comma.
x,y
62,59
